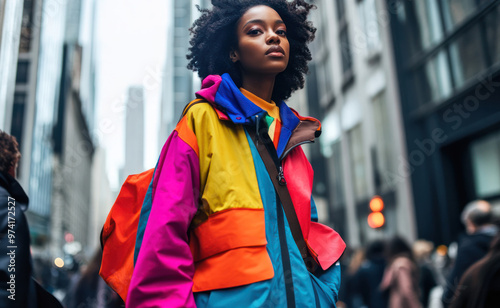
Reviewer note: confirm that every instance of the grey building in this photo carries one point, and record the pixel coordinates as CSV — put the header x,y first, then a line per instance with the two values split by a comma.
x,y
73,145
73,156
35,101
352,88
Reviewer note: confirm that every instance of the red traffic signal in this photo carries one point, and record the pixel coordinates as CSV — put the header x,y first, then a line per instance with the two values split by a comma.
x,y
376,219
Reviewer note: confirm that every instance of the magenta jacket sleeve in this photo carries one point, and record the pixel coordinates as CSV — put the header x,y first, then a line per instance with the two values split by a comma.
x,y
163,273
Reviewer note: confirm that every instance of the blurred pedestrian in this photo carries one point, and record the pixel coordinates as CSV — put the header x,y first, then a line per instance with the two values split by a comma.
x,y
422,251
369,276
480,284
477,218
350,296
17,287
232,220
90,291
401,275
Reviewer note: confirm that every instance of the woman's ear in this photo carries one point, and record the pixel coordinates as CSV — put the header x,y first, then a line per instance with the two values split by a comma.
x,y
233,55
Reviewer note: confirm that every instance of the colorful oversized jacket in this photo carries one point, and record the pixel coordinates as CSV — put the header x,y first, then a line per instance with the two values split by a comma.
x,y
212,232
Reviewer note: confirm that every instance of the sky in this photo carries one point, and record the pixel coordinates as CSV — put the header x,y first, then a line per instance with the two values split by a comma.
x,y
131,39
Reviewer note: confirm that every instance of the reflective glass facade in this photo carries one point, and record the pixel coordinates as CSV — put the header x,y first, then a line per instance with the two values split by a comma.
x,y
448,64
47,94
449,43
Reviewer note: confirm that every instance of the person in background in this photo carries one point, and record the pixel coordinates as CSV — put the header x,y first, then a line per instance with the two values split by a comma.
x,y
480,284
89,290
478,221
369,276
352,262
401,275
17,287
422,251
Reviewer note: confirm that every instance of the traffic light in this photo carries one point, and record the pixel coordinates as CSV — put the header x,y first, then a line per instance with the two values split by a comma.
x,y
376,219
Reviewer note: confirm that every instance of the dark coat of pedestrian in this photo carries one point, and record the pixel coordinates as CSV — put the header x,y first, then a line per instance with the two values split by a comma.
x,y
352,262
369,276
17,287
480,284
477,218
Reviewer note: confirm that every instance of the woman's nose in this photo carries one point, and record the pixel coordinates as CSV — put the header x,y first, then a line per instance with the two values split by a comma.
x,y
273,38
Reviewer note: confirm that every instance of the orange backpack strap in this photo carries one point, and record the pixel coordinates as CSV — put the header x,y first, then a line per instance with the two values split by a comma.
x,y
118,235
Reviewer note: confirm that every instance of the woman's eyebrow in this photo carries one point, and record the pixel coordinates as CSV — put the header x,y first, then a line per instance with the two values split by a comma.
x,y
260,21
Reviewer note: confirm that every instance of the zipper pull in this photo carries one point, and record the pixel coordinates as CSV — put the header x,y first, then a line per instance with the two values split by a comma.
x,y
281,177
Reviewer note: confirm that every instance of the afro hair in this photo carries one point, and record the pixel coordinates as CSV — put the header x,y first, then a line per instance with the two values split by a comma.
x,y
214,36
9,151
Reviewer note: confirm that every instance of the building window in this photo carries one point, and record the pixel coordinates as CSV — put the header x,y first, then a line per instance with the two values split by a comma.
x,y
336,176
434,79
340,10
424,25
456,11
345,51
323,58
368,12
358,168
485,154
467,55
383,162
18,116
26,26
22,72
492,24
345,47
440,62
325,80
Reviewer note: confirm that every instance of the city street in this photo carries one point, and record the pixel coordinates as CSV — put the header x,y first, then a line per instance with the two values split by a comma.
x,y
395,104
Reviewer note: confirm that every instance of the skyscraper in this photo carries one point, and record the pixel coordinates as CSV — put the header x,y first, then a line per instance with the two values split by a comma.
x,y
134,130
178,82
10,29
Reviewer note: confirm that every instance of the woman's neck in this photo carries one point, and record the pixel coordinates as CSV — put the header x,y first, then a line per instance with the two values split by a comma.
x,y
259,85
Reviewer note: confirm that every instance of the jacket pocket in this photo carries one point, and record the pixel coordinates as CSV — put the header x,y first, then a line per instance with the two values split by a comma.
x,y
326,285
229,250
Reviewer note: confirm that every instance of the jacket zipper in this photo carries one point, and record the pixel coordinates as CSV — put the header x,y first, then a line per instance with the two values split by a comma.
x,y
282,181
290,149
281,175
285,254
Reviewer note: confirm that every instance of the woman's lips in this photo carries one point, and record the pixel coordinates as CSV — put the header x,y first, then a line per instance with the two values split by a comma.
x,y
276,54
275,51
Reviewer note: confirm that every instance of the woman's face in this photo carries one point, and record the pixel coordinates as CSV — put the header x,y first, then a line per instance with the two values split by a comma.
x,y
263,47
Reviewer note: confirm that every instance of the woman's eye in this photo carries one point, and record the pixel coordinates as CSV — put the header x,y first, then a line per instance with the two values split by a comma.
x,y
281,32
254,32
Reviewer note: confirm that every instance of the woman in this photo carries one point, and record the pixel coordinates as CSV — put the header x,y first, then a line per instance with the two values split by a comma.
x,y
18,288
217,235
401,275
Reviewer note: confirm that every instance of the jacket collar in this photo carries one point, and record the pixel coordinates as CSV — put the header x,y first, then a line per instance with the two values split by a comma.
x,y
231,104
